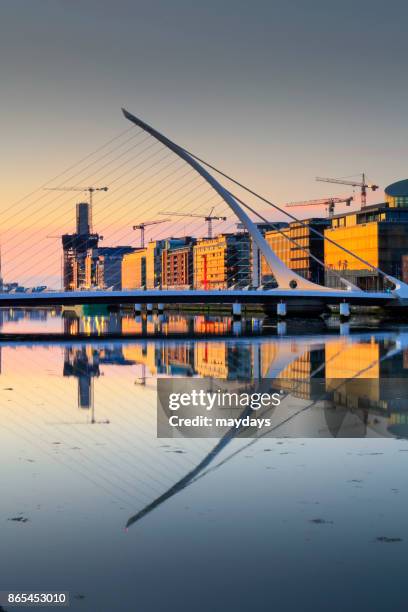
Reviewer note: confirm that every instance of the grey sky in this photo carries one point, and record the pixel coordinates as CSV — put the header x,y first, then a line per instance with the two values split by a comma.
x,y
275,92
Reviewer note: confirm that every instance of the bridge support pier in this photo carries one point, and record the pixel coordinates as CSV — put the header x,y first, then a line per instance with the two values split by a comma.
x,y
344,311
281,310
236,311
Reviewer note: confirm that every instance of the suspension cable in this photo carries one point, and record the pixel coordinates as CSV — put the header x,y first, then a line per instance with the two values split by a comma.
x,y
257,195
292,240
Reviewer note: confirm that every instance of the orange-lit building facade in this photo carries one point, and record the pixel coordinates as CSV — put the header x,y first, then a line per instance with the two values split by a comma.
x,y
219,360
222,262
297,245
280,244
134,270
378,234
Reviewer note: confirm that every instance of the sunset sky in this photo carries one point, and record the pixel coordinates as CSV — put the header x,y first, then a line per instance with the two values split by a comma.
x,y
274,92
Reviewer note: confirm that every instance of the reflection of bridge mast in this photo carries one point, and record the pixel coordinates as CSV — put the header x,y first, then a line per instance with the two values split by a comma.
x,y
334,422
190,476
200,470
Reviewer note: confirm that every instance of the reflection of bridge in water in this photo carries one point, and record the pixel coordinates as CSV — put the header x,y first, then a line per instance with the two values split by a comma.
x,y
299,358
350,405
353,368
353,402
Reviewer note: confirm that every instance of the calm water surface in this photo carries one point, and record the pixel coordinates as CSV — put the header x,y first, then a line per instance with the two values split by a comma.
x,y
279,523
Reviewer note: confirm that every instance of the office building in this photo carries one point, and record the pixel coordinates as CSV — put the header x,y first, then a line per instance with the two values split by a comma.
x,y
222,262
378,234
177,265
143,267
278,240
153,263
154,252
298,246
75,247
263,227
309,248
134,269
103,267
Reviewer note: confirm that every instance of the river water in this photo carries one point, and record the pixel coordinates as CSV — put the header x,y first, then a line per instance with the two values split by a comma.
x,y
312,517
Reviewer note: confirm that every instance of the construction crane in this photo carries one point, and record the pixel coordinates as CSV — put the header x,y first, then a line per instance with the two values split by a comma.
x,y
329,202
90,190
141,227
208,218
362,184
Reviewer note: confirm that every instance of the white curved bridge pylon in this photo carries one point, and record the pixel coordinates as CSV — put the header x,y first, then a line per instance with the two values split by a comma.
x,y
284,276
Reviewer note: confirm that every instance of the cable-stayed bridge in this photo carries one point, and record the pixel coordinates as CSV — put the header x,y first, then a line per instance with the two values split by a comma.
x,y
293,290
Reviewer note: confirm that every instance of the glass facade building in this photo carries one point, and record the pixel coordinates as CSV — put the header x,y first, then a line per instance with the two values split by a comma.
x,y
222,262
378,234
297,245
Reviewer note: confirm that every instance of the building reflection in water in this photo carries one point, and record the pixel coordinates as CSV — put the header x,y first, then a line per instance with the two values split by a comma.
x,y
84,320
334,386
82,362
354,369
352,381
81,320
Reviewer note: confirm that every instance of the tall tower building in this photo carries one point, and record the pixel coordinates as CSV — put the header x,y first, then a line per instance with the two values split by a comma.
x,y
83,219
75,247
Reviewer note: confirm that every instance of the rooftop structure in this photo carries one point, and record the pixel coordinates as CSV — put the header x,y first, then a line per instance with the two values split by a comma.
x,y
396,194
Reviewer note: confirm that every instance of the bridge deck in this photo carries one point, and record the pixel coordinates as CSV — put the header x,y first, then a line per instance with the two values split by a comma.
x,y
265,298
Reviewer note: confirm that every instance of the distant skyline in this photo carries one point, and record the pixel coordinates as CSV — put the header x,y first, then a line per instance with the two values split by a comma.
x,y
273,92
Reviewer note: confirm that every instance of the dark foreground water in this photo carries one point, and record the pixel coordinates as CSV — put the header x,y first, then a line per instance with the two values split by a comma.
x,y
283,523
